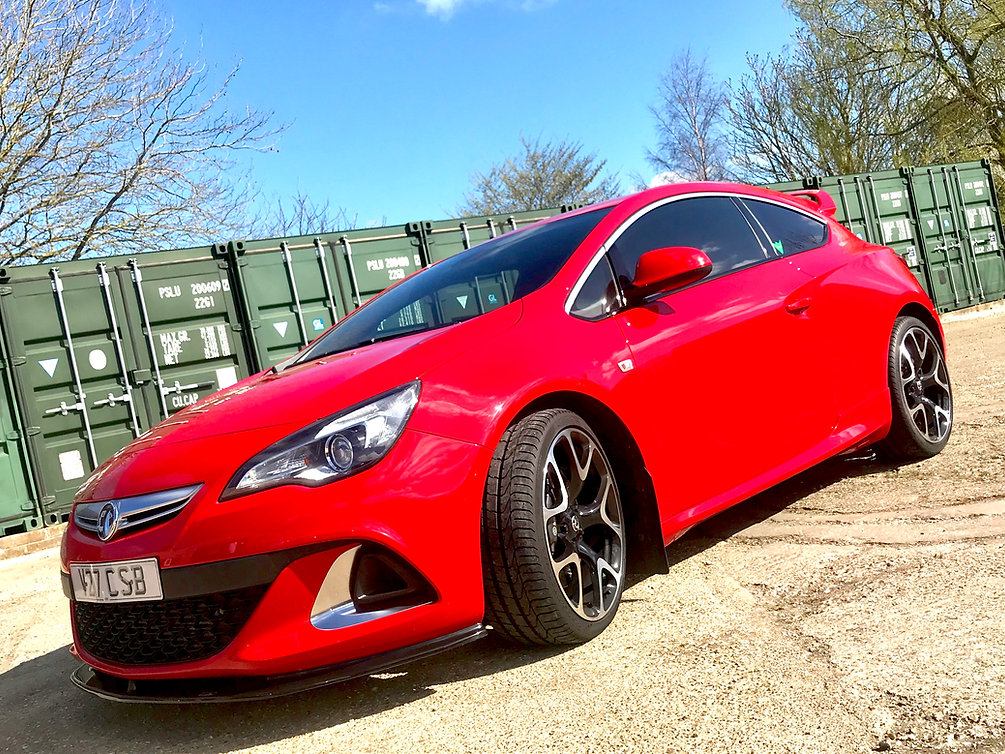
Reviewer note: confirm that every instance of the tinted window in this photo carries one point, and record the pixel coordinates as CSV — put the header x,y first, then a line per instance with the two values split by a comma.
x,y
486,277
789,231
599,295
713,224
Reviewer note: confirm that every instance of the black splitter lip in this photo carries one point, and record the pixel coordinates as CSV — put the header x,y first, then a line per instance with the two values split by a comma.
x,y
260,688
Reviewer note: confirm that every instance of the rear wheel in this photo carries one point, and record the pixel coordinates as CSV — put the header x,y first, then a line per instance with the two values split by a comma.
x,y
553,540
921,397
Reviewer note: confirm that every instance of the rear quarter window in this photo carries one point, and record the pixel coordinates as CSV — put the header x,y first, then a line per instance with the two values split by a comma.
x,y
789,231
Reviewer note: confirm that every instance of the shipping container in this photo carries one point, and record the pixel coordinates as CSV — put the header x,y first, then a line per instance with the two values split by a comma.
x,y
943,220
289,291
444,238
102,351
95,352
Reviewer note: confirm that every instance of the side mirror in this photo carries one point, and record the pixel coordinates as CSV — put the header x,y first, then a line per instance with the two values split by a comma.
x,y
665,270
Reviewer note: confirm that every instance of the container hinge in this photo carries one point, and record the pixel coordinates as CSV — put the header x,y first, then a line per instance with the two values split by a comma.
x,y
32,431
140,376
6,290
13,436
48,500
18,361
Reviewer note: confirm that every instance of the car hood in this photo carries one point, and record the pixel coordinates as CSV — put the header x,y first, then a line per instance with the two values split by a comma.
x,y
268,406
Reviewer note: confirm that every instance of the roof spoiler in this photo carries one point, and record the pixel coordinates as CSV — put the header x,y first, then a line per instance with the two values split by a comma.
x,y
819,199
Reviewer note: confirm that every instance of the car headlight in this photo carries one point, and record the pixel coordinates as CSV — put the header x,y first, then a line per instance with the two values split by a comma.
x,y
330,449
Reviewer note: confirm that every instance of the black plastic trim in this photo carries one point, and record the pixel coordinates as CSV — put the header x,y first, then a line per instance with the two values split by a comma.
x,y
260,688
224,575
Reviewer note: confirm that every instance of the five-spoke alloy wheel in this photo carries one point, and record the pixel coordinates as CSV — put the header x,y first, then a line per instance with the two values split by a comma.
x,y
553,532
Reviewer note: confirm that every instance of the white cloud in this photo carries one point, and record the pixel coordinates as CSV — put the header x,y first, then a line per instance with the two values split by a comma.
x,y
442,8
666,178
446,8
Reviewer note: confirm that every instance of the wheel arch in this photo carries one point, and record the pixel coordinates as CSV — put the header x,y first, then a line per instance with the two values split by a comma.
x,y
920,311
646,550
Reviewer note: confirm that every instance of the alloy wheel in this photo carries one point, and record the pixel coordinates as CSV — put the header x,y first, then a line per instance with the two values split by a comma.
x,y
583,524
925,383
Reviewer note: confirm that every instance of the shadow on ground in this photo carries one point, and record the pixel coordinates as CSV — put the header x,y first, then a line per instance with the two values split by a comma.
x,y
43,712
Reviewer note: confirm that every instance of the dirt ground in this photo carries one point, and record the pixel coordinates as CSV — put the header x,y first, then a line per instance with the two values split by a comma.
x,y
858,607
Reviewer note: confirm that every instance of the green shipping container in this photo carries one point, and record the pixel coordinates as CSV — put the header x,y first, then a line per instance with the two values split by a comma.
x,y
291,290
18,501
103,351
943,220
445,238
960,228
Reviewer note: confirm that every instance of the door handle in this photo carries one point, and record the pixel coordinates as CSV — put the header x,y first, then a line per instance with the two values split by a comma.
x,y
799,305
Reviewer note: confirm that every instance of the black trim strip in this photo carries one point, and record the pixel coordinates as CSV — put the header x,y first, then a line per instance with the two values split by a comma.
x,y
224,575
260,688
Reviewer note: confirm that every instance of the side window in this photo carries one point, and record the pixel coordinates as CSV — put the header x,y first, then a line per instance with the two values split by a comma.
x,y
599,295
789,231
710,223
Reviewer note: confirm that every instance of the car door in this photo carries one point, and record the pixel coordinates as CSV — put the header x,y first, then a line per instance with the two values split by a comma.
x,y
727,366
836,300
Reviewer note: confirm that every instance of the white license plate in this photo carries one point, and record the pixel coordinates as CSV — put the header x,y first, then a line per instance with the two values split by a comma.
x,y
122,581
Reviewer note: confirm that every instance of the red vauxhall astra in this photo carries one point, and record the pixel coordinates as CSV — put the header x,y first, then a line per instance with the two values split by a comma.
x,y
497,441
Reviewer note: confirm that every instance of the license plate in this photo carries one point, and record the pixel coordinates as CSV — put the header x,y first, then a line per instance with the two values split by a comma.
x,y
122,581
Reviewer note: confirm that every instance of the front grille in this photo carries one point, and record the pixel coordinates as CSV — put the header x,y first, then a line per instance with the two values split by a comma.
x,y
166,631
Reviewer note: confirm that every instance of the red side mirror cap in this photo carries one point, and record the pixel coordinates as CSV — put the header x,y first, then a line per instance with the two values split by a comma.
x,y
664,270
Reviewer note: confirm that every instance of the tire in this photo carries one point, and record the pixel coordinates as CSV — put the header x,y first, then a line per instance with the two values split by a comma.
x,y
554,563
920,393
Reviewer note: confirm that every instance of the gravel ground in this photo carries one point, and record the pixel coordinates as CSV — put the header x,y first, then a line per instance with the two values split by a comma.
x,y
857,607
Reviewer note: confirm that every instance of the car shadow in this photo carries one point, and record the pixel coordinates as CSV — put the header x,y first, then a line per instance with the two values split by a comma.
x,y
41,710
774,500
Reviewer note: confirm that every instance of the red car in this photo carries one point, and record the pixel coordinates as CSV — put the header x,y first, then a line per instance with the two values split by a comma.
x,y
498,441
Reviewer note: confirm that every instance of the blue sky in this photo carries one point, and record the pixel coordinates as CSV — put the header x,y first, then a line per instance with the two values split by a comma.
x,y
392,104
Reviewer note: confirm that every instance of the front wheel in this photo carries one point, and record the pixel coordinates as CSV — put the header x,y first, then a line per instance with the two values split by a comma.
x,y
920,394
553,536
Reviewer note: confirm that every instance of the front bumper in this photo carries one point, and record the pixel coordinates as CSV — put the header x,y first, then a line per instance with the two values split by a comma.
x,y
271,558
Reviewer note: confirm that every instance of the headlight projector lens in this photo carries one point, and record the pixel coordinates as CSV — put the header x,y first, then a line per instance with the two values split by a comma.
x,y
338,453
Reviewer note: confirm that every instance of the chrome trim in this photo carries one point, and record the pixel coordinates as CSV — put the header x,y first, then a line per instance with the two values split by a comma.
x,y
333,607
769,256
106,518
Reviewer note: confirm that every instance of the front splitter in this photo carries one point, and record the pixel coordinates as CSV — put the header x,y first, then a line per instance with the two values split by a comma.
x,y
260,688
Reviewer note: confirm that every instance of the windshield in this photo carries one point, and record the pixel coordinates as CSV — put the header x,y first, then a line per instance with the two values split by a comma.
x,y
476,281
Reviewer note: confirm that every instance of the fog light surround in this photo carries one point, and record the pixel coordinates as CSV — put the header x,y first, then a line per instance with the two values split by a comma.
x,y
367,582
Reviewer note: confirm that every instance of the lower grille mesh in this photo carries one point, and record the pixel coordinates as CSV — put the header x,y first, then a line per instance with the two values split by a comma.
x,y
166,631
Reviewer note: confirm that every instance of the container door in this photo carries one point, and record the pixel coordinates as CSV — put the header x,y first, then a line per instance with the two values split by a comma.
x,y
73,366
942,237
980,224
371,260
184,328
292,294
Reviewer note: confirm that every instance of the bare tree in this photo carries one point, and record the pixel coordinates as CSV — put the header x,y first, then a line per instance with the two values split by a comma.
x,y
873,84
951,53
109,141
301,216
691,118
544,175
